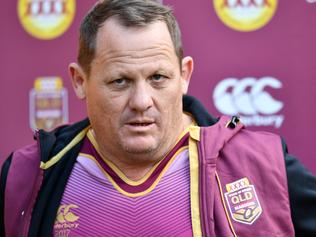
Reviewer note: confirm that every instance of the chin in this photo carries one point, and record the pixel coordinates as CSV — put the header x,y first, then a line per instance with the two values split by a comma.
x,y
139,150
139,147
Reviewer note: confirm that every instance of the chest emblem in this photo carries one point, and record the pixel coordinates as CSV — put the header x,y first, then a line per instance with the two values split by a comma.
x,y
243,202
66,220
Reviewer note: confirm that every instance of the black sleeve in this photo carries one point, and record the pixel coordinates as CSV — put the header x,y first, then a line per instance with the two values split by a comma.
x,y
3,180
302,192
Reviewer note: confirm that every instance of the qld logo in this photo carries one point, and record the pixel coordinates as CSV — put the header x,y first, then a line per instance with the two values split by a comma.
x,y
243,202
46,19
245,15
48,103
248,99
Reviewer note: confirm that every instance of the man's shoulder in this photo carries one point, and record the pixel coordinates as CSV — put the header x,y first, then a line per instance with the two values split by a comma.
x,y
67,130
230,134
234,125
28,152
47,143
24,159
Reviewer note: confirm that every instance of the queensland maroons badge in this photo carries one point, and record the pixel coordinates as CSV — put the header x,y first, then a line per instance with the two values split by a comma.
x,y
48,103
243,202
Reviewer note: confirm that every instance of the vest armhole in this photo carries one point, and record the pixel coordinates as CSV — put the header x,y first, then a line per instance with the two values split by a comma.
x,y
3,181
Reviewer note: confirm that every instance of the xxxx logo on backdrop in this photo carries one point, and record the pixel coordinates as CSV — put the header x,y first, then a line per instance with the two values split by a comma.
x,y
245,15
46,19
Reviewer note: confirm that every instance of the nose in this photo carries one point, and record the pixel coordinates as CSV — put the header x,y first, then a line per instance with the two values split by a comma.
x,y
141,97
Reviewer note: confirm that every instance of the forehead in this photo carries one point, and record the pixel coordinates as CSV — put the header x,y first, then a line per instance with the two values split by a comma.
x,y
115,42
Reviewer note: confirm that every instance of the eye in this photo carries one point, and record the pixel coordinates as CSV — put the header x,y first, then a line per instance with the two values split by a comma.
x,y
157,77
119,82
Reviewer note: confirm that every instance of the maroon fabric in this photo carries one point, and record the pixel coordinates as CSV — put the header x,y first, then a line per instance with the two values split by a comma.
x,y
235,154
20,192
212,141
88,148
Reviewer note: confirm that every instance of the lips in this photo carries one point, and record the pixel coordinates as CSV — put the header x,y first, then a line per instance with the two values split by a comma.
x,y
140,121
140,124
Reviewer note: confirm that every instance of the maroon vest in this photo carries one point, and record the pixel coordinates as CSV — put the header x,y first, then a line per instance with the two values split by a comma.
x,y
242,185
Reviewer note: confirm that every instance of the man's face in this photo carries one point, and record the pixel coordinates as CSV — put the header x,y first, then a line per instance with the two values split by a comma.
x,y
134,92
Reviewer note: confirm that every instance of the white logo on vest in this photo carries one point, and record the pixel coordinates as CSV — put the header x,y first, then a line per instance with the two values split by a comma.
x,y
247,98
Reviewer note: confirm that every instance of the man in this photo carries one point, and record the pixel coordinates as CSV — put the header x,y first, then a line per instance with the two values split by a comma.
x,y
141,166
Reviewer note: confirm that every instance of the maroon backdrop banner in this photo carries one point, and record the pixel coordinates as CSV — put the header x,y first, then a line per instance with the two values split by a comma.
x,y
254,58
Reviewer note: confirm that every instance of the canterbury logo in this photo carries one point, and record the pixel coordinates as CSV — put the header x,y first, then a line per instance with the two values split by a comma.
x,y
64,213
247,96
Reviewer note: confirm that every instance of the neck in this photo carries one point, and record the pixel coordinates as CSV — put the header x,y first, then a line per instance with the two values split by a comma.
x,y
136,166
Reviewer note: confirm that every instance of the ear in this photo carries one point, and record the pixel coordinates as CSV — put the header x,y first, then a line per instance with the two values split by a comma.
x,y
78,79
186,72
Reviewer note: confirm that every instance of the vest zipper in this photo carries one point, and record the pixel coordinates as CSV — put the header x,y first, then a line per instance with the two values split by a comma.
x,y
202,189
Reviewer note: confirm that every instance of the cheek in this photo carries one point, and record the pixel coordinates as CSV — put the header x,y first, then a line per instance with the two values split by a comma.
x,y
172,109
99,109
105,106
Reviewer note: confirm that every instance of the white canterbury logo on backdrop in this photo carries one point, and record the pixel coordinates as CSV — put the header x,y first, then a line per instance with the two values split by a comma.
x,y
240,100
247,97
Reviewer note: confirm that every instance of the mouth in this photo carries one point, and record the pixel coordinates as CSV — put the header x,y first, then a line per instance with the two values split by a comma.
x,y
140,125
